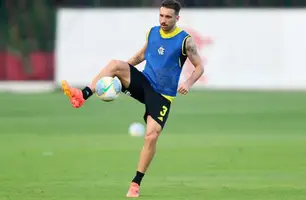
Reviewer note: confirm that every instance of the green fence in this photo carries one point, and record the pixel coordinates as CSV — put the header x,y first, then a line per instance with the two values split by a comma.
x,y
29,25
27,39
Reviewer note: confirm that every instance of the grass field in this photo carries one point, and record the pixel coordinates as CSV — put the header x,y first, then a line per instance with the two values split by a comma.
x,y
216,146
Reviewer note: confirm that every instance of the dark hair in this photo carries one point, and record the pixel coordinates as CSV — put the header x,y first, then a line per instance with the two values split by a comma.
x,y
172,4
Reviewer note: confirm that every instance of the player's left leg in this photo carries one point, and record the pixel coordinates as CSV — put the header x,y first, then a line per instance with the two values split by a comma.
x,y
157,112
146,156
149,147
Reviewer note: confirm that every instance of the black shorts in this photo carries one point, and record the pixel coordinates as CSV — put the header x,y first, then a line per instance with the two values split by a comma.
x,y
156,105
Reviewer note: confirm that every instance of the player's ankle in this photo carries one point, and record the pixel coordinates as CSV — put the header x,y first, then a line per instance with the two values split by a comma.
x,y
87,92
138,178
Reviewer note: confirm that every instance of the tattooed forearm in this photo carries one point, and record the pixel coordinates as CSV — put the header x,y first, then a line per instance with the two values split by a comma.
x,y
139,57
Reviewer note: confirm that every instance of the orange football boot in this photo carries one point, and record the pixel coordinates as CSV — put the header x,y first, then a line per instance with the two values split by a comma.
x,y
74,94
133,191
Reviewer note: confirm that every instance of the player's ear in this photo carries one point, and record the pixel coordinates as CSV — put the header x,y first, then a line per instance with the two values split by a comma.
x,y
177,17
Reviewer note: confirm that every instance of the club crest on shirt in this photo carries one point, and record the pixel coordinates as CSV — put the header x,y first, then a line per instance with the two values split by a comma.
x,y
161,50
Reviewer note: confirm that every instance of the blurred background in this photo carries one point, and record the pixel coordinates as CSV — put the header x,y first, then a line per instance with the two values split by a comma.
x,y
240,133
30,29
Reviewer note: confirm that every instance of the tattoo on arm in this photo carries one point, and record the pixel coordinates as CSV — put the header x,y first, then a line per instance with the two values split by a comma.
x,y
138,57
195,59
192,52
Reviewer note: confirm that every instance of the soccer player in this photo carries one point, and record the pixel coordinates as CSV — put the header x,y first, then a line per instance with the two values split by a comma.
x,y
165,51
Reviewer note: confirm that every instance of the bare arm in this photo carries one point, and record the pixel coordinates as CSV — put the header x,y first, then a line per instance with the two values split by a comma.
x,y
139,56
195,59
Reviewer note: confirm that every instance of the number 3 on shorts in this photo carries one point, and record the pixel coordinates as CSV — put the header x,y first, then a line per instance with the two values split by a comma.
x,y
163,113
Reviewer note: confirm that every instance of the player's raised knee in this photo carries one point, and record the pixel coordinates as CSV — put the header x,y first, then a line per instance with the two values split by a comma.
x,y
118,65
113,64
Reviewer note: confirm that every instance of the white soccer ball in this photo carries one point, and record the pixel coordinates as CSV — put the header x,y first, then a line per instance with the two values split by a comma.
x,y
108,88
137,129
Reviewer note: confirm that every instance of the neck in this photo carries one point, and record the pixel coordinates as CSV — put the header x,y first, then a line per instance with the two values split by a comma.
x,y
171,30
171,33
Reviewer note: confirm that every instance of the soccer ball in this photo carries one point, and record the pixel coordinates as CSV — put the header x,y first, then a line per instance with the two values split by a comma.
x,y
108,88
136,129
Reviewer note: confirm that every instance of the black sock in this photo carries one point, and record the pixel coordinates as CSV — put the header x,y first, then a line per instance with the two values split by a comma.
x,y
86,92
137,179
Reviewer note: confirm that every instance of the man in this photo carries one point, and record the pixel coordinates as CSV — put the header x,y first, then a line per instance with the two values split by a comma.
x,y
165,51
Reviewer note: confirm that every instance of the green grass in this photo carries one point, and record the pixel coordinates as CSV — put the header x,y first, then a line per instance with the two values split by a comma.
x,y
216,146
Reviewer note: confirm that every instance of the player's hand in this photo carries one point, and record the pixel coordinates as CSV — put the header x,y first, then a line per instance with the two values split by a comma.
x,y
184,89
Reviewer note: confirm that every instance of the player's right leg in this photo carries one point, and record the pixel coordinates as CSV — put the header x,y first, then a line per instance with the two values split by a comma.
x,y
114,68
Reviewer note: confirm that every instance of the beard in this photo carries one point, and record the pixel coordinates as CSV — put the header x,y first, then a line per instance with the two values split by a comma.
x,y
166,27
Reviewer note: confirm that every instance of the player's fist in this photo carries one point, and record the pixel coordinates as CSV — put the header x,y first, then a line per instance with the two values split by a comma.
x,y
184,89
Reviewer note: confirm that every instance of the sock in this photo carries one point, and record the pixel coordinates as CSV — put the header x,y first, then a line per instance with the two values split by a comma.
x,y
137,179
86,92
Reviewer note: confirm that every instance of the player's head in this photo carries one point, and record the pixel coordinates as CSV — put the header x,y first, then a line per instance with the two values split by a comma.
x,y
169,14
